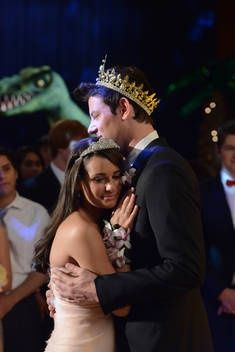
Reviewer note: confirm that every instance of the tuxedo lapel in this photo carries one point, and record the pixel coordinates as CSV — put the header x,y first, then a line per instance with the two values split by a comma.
x,y
224,207
142,159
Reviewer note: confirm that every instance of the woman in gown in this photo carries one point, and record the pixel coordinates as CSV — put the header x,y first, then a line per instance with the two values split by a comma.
x,y
5,270
91,190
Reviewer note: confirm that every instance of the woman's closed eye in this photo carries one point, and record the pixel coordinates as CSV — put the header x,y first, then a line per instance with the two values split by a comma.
x,y
104,180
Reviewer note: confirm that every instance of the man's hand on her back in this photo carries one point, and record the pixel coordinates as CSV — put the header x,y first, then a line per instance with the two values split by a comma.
x,y
50,301
74,284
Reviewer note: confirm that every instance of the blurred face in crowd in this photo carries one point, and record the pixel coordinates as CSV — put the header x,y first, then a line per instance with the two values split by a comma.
x,y
227,154
31,166
8,177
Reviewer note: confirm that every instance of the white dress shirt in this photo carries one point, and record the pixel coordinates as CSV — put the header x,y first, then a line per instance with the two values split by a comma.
x,y
141,145
25,222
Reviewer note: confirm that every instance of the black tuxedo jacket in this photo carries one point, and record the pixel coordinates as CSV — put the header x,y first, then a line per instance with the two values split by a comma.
x,y
168,260
44,189
220,243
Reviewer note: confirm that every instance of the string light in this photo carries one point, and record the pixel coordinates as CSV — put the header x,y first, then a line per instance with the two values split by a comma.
x,y
214,135
212,105
207,110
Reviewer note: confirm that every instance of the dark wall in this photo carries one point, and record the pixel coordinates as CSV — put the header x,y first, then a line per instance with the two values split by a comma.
x,y
165,38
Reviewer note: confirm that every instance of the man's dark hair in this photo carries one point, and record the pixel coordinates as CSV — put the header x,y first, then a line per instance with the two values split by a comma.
x,y
9,155
224,130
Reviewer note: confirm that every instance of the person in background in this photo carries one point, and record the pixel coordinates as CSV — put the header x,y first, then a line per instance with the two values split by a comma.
x,y
5,268
45,188
25,223
29,163
163,287
43,148
218,213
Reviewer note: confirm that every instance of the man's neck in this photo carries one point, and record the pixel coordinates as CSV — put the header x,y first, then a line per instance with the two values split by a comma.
x,y
140,131
6,200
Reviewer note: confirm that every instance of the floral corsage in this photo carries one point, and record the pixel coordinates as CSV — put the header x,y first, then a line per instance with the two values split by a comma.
x,y
128,176
117,242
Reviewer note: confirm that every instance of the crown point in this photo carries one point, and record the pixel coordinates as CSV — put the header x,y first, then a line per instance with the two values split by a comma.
x,y
135,92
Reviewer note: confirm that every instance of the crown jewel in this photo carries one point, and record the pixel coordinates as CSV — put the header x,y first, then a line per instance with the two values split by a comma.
x,y
114,81
101,144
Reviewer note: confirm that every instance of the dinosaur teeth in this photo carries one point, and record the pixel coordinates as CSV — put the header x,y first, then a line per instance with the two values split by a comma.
x,y
8,102
3,107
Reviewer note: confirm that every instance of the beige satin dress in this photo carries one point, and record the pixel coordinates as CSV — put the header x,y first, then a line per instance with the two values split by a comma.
x,y
80,329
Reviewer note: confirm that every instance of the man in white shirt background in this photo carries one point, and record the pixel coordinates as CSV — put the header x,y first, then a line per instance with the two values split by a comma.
x,y
25,222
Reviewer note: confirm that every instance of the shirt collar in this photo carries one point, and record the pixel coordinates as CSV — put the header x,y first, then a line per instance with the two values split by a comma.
x,y
224,176
58,173
17,203
141,145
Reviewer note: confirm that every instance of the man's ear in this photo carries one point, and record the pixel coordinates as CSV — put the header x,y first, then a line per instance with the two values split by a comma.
x,y
126,108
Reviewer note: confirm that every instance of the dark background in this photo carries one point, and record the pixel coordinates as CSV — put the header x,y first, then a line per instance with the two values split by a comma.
x,y
167,39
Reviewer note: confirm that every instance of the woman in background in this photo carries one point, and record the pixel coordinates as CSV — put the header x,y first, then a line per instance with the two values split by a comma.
x,y
29,163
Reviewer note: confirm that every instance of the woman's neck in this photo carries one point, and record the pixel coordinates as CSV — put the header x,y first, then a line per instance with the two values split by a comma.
x,y
92,213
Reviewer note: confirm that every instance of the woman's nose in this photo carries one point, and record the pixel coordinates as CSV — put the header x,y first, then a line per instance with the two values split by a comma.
x,y
109,186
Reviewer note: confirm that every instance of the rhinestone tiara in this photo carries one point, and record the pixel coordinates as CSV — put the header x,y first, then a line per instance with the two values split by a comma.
x,y
101,144
131,90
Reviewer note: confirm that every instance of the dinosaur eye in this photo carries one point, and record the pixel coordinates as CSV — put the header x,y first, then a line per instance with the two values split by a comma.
x,y
40,83
43,81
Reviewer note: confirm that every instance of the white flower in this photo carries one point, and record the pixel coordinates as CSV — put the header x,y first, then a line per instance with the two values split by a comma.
x,y
128,175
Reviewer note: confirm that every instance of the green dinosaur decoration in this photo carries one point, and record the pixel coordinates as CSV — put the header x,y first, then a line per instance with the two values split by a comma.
x,y
36,89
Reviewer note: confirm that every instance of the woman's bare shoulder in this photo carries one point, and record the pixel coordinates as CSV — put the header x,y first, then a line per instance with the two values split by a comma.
x,y
76,225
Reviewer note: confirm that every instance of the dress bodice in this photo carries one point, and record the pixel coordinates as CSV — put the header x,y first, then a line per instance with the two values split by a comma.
x,y
80,329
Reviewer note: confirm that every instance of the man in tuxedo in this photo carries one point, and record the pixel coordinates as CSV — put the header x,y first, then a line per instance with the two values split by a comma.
x,y
218,209
45,188
167,256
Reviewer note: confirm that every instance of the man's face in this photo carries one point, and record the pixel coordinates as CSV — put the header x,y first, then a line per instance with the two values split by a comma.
x,y
227,154
104,123
8,177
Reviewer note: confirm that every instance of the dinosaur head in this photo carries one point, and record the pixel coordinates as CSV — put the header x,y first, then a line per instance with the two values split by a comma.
x,y
31,90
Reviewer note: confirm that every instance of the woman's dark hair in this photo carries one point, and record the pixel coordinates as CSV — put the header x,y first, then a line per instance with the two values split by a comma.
x,y
69,195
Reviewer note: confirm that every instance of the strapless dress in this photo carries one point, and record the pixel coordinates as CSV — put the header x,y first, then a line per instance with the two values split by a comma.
x,y
80,329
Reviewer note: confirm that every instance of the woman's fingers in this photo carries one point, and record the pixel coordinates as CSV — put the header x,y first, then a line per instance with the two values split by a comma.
x,y
131,203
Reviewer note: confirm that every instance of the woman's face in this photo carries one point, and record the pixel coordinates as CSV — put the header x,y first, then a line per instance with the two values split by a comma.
x,y
31,166
102,182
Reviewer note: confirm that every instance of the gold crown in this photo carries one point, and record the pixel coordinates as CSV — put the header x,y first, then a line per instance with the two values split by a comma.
x,y
114,81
